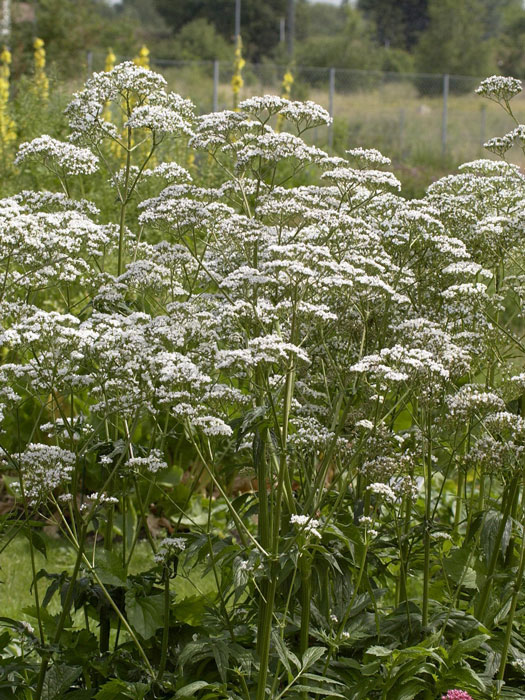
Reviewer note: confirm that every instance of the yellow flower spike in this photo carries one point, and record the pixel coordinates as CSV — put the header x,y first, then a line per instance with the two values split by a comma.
x,y
108,66
41,83
7,124
5,56
143,58
110,61
287,83
238,65
286,92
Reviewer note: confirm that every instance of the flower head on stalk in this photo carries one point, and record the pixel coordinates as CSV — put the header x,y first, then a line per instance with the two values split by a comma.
x,y
456,695
238,65
7,124
41,82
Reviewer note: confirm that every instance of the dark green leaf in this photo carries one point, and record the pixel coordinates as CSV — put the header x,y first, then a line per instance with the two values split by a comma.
x,y
59,678
109,568
312,655
145,613
458,567
36,539
461,649
189,690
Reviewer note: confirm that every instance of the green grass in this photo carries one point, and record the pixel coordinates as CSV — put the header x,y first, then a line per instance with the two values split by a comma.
x,y
16,576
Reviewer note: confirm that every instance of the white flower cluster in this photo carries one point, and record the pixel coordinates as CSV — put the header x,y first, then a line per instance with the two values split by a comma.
x,y
66,156
383,490
471,399
309,526
499,87
153,463
124,86
368,156
252,294
305,115
44,468
169,549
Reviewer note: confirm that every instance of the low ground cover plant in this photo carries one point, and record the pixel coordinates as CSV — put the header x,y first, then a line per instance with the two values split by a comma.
x,y
312,386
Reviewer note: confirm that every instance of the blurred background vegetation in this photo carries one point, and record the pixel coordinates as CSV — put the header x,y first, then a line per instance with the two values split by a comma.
x,y
465,37
389,58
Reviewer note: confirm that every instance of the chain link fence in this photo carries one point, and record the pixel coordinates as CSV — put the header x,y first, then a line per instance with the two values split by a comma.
x,y
416,117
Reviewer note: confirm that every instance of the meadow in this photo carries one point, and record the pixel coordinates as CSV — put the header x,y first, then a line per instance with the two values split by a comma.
x,y
262,412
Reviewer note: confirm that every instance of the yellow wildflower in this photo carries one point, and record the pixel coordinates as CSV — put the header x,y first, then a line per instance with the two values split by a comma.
x,y
106,113
238,65
143,58
7,125
286,92
41,82
110,61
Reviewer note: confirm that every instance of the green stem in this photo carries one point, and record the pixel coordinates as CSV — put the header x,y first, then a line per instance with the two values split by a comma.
x,y
305,566
508,498
510,621
459,496
63,616
265,631
166,628
265,620
426,535
122,222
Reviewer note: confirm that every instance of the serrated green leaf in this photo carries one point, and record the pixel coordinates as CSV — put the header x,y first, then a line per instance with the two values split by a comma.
x,y
282,651
408,690
489,533
463,648
221,654
113,690
109,568
59,679
379,651
312,655
457,568
191,689
145,613
191,610
313,691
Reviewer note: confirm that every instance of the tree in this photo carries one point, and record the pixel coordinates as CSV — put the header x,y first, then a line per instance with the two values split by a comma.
x,y
511,45
497,14
316,19
455,40
200,41
259,20
353,47
399,23
69,28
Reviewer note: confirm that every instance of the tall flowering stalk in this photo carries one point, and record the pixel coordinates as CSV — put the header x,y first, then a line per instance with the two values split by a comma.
x,y
7,124
110,61
106,113
286,92
142,59
238,64
40,79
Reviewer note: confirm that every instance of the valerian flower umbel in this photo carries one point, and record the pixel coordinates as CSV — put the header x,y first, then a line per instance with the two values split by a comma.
x,y
332,339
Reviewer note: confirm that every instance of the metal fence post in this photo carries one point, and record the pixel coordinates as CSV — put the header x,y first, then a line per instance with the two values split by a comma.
x,y
331,106
445,115
216,86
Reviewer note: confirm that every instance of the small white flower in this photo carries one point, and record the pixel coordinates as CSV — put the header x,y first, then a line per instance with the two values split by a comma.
x,y
308,525
499,87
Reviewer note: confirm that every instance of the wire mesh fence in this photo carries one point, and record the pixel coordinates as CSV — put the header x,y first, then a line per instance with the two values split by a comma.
x,y
410,117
